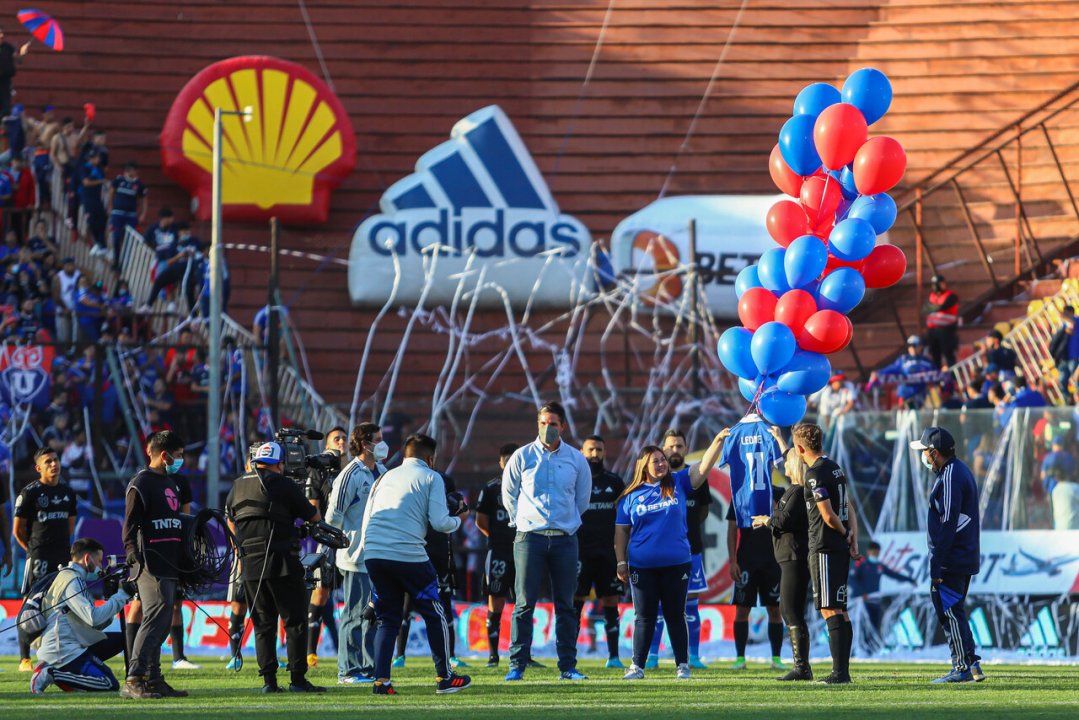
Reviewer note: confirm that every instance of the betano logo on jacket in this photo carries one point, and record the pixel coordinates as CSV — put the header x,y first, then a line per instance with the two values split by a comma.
x,y
296,147
478,195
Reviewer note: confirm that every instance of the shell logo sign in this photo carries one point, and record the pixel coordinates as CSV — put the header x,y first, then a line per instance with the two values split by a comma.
x,y
284,162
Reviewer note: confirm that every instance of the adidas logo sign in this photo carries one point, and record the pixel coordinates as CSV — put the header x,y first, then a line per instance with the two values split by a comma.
x,y
475,201
685,576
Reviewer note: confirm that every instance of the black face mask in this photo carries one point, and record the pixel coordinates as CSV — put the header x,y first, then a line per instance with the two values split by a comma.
x,y
596,466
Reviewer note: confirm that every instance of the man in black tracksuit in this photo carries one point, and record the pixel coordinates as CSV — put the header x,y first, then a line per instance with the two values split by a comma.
x,y
954,548
262,507
152,540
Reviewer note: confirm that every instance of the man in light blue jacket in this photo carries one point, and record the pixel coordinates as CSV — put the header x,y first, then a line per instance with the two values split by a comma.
x,y
401,506
345,510
74,647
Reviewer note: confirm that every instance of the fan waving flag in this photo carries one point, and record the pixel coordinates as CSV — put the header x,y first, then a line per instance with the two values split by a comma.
x,y
43,27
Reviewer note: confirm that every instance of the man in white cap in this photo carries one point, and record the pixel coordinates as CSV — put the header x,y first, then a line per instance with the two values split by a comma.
x,y
262,508
954,547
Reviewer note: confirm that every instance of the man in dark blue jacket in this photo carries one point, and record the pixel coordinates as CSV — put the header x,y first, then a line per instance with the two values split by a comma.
x,y
954,553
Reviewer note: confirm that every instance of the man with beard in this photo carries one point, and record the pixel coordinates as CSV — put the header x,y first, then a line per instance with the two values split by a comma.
x,y
674,447
596,563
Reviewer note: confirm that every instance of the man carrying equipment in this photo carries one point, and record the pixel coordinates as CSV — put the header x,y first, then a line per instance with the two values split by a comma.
x,y
833,541
318,494
152,538
954,548
499,573
44,523
74,647
262,508
596,564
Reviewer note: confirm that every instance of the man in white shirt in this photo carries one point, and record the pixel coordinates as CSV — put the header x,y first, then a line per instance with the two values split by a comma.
x,y
345,509
402,504
838,398
546,486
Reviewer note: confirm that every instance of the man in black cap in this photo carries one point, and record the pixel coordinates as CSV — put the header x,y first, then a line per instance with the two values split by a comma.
x,y
942,323
954,553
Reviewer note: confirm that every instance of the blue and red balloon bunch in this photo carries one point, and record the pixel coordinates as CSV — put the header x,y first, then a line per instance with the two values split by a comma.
x,y
794,302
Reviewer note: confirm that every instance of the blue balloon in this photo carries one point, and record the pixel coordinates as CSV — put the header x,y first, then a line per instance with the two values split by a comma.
x,y
797,147
749,388
735,353
841,290
870,91
846,183
851,240
814,98
878,210
770,271
772,347
805,374
782,408
805,260
746,279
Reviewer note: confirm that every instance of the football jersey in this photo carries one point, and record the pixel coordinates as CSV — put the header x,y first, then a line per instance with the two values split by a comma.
x,y
826,481
597,522
46,509
498,520
750,453
657,524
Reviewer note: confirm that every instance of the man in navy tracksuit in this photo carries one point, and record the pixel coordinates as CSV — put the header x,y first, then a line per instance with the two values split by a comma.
x,y
954,553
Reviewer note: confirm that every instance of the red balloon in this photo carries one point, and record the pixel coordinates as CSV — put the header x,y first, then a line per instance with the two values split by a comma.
x,y
785,179
835,263
756,307
820,198
826,332
794,308
838,133
786,221
879,165
884,266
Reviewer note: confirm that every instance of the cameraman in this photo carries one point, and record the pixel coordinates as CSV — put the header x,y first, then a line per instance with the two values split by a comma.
x,y
320,484
262,507
73,649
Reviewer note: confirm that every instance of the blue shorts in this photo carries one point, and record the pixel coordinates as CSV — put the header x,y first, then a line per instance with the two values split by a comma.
x,y
698,583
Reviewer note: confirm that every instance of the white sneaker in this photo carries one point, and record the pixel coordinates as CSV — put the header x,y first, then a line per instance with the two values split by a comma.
x,y
41,679
185,664
682,673
634,673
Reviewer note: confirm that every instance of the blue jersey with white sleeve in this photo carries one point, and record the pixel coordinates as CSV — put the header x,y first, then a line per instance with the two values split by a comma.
x,y
750,453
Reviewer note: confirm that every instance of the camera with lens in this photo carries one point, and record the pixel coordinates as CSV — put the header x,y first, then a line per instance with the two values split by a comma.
x,y
295,461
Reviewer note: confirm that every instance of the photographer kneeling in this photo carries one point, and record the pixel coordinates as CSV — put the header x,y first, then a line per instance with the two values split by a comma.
x,y
262,507
73,649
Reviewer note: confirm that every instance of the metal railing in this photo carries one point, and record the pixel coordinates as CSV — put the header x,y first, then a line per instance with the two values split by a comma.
x,y
943,192
1030,340
298,398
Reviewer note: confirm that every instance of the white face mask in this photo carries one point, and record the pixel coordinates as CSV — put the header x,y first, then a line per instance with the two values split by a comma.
x,y
381,451
927,462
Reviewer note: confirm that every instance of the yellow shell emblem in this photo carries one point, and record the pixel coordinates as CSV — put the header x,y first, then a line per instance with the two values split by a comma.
x,y
295,147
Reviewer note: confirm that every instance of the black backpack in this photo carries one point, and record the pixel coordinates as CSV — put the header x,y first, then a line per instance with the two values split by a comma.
x,y
31,619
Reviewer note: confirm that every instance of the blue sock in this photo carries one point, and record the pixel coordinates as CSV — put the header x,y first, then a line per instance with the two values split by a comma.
x,y
693,620
660,626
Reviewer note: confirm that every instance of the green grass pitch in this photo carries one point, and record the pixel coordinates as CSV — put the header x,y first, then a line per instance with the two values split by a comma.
x,y
879,692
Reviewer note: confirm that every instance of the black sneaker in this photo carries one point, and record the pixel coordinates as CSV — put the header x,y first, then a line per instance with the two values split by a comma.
x,y
305,687
271,690
492,663
537,665
380,688
452,684
798,672
835,678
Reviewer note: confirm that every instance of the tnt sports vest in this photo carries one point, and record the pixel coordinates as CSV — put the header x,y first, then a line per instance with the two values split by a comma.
x,y
948,317
162,529
251,503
